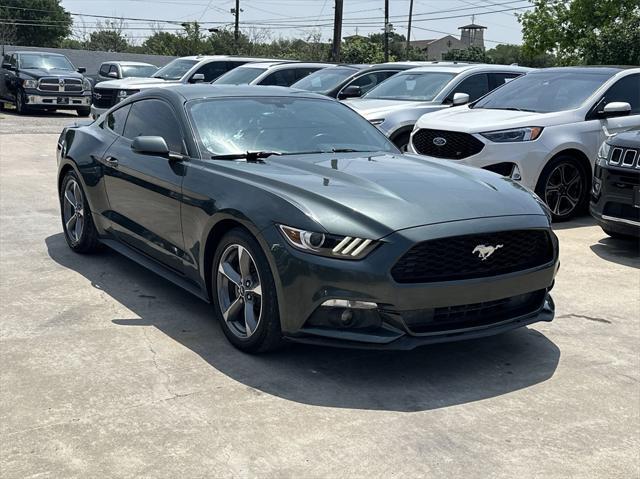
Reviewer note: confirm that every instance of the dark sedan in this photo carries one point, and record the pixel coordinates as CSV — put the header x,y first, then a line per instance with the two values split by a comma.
x,y
299,220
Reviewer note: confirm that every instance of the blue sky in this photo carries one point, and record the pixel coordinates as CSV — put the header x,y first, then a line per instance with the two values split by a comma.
x,y
298,18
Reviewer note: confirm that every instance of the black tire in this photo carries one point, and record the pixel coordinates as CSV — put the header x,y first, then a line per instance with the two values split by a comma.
x,y
402,141
83,111
21,108
86,241
564,186
267,335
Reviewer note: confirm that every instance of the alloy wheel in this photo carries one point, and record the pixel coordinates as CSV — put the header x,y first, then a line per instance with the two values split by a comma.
x,y
563,190
239,291
73,210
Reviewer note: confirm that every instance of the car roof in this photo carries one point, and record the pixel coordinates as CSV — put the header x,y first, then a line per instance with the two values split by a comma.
x,y
586,69
463,67
227,57
20,52
125,63
208,90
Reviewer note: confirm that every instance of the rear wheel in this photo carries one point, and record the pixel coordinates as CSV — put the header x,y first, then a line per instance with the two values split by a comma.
x,y
564,187
244,294
83,111
77,222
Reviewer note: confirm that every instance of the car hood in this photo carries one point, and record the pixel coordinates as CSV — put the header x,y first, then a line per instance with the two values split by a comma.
x,y
40,73
375,195
133,83
475,120
372,109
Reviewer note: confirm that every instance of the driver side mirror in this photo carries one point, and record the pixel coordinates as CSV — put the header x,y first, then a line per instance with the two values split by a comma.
x,y
352,91
82,70
197,78
460,99
615,108
7,66
112,74
150,145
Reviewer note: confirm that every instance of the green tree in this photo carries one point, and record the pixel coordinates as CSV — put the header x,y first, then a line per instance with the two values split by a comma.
x,y
584,31
107,41
504,54
161,43
41,23
361,50
471,54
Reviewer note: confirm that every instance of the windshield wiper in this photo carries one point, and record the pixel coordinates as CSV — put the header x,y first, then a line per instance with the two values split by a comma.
x,y
509,108
250,156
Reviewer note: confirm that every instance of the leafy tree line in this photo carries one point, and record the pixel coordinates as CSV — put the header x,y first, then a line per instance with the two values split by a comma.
x,y
555,32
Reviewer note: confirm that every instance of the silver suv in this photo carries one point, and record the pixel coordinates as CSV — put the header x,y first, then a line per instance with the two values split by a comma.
x,y
395,105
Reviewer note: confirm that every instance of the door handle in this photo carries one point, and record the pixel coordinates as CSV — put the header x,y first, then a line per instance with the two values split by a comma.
x,y
111,161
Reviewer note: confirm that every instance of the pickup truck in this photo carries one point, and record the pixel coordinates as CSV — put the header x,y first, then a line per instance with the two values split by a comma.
x,y
193,69
117,70
44,81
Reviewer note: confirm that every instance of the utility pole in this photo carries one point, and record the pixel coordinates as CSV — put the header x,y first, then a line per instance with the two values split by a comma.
x,y
386,30
337,32
409,29
236,32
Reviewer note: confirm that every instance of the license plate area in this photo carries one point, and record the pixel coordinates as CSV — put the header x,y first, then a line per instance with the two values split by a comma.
x,y
61,100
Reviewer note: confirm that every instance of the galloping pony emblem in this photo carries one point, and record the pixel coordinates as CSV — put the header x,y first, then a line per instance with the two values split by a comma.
x,y
484,251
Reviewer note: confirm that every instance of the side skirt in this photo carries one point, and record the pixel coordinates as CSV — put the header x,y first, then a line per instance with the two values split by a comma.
x,y
155,267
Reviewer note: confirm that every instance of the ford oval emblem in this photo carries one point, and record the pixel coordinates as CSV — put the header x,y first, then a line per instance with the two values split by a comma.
x,y
439,141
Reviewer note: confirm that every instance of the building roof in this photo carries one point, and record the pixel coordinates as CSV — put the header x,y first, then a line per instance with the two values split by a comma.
x,y
472,26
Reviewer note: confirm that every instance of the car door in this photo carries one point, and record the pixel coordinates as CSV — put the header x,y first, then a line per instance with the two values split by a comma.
x,y
211,71
369,80
144,191
626,89
11,79
284,77
4,72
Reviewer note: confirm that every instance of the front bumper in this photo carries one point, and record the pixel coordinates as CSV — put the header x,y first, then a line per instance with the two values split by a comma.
x,y
304,282
615,200
58,101
526,159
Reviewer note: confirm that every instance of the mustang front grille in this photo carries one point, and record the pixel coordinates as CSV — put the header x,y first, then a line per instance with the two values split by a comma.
x,y
473,256
452,145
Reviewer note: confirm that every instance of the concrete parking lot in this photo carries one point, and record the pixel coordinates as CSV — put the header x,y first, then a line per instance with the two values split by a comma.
x,y
110,371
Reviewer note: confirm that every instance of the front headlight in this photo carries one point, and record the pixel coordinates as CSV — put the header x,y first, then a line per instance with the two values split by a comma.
x,y
30,84
122,94
334,246
528,133
86,84
377,121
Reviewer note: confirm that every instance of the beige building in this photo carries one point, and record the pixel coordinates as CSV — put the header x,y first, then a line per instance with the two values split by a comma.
x,y
435,48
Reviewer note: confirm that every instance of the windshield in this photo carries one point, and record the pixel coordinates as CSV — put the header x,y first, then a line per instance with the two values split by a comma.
x,y
284,125
422,86
140,71
240,76
324,80
545,92
175,69
45,62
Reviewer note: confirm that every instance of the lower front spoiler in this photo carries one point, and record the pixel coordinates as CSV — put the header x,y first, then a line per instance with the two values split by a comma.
x,y
407,342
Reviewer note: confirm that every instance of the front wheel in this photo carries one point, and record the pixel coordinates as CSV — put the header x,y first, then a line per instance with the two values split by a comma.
x,y
244,294
21,107
564,187
83,111
402,142
79,231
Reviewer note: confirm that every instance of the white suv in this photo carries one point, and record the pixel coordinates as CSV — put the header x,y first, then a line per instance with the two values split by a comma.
x,y
542,129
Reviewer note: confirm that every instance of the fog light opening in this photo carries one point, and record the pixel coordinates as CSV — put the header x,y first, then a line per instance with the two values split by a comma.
x,y
515,173
346,317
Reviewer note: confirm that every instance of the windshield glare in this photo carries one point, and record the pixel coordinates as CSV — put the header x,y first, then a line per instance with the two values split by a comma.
x,y
545,92
283,124
141,71
175,69
423,86
45,62
240,76
324,80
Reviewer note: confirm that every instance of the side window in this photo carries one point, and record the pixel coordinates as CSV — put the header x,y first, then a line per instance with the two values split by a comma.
x,y
300,73
14,60
499,79
280,78
104,69
475,86
116,120
231,65
626,89
154,118
114,69
368,81
212,70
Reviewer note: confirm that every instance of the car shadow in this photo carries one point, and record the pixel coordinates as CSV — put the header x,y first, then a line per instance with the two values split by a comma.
x,y
426,378
621,251
581,221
